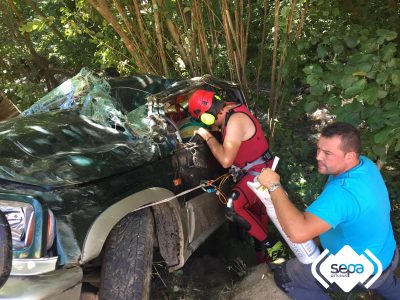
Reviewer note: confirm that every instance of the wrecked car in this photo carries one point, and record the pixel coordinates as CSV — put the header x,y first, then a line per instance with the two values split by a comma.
x,y
80,171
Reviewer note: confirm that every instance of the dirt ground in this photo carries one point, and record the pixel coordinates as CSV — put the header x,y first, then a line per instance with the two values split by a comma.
x,y
224,268
258,285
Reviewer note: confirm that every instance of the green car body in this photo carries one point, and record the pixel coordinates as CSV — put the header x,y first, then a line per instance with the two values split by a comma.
x,y
78,162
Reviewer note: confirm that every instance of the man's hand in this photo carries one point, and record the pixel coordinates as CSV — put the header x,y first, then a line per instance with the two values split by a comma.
x,y
299,226
204,133
268,177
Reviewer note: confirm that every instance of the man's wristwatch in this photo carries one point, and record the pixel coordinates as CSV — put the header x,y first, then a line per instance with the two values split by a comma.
x,y
273,187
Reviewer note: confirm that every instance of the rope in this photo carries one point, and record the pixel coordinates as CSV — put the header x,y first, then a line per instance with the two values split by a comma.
x,y
221,196
171,198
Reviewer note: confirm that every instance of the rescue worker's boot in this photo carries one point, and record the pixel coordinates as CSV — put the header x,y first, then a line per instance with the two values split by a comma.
x,y
276,252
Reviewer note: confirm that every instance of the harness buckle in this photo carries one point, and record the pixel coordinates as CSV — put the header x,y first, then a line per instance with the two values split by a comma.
x,y
238,173
267,156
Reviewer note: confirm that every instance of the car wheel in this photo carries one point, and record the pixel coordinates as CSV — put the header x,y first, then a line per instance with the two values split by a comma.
x,y
128,257
5,249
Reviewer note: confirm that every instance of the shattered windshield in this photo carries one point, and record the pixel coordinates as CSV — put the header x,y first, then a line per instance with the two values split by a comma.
x,y
119,103
88,94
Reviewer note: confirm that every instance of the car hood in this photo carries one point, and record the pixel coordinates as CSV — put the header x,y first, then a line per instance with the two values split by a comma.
x,y
63,148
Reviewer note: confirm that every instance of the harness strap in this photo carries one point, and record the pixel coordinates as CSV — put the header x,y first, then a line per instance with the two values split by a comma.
x,y
238,173
256,162
267,156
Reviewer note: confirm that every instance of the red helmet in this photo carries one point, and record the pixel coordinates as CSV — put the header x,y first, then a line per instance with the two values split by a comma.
x,y
200,102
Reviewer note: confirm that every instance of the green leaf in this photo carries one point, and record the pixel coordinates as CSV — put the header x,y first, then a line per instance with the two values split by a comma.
x,y
394,63
371,75
370,95
395,77
359,73
310,106
347,81
186,9
23,28
382,136
351,42
349,117
392,114
317,90
360,58
393,121
353,107
302,45
333,101
312,69
375,121
331,77
382,77
168,46
338,48
321,51
367,112
382,94
386,34
388,51
312,80
397,148
379,150
381,40
370,45
393,105
364,67
356,88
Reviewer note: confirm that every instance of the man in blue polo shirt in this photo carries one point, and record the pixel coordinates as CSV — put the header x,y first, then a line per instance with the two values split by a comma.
x,y
353,209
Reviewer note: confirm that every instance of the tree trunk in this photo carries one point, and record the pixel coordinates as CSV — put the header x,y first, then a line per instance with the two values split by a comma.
x,y
273,68
7,109
38,61
157,5
137,54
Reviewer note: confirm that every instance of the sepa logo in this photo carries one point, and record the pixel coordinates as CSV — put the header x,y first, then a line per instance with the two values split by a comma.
x,y
346,268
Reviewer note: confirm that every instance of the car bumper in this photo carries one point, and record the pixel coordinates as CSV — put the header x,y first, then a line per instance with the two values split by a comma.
x,y
59,284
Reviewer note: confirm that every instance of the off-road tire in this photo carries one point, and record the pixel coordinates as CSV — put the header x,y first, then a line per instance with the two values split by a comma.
x,y
5,249
128,257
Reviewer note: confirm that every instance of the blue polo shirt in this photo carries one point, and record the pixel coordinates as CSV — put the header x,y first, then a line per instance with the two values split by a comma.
x,y
356,205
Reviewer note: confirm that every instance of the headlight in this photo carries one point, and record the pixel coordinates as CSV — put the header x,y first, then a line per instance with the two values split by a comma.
x,y
32,233
21,218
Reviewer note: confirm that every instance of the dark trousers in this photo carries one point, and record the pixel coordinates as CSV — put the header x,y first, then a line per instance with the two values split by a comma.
x,y
296,279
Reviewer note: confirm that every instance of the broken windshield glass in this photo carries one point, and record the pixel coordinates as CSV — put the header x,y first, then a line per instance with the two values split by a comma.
x,y
88,94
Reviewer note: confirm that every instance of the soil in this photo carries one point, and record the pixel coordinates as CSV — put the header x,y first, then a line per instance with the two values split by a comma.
x,y
222,268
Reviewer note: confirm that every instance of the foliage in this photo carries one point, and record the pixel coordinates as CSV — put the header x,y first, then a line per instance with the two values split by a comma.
x,y
356,75
349,66
295,145
36,53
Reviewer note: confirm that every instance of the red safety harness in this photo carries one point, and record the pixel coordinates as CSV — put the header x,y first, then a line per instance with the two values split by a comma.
x,y
253,151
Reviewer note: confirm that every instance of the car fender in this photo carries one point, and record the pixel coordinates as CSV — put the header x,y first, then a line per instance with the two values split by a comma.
x,y
101,227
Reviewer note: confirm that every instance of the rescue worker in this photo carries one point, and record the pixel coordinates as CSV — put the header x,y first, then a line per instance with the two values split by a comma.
x,y
245,149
